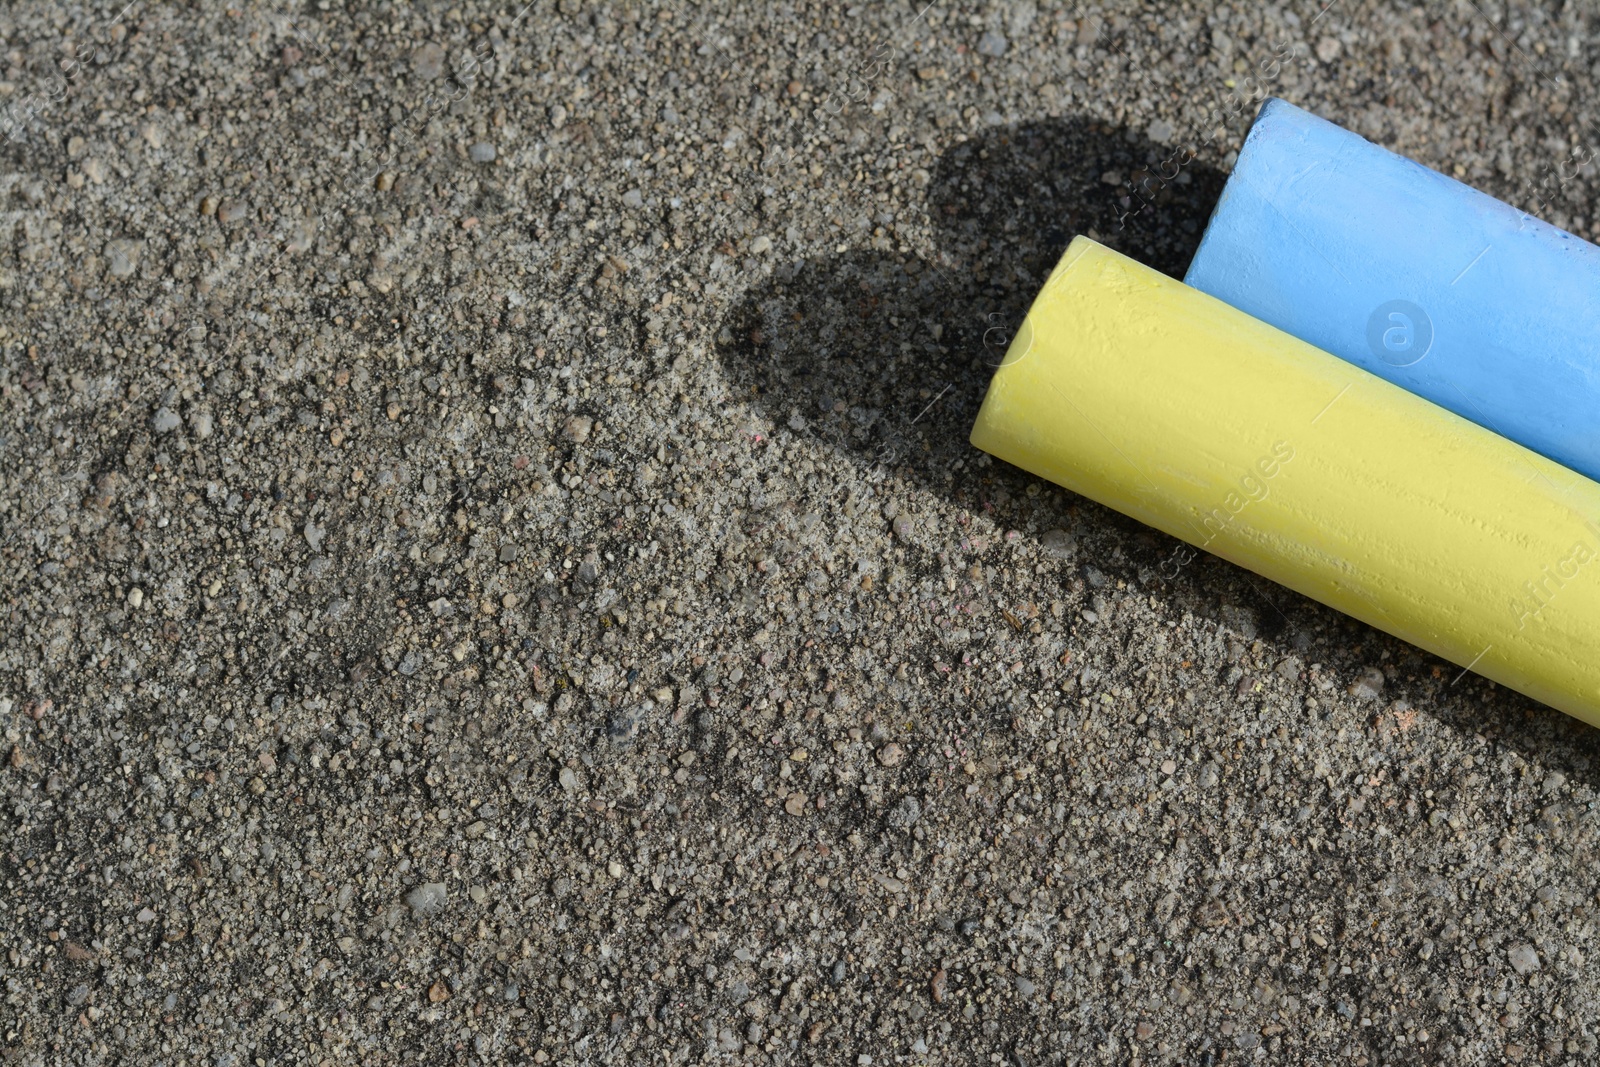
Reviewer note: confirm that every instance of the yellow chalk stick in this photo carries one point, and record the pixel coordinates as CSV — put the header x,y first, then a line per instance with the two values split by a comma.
x,y
1168,405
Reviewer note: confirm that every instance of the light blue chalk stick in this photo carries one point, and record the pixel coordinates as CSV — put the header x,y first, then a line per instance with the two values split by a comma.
x,y
1441,289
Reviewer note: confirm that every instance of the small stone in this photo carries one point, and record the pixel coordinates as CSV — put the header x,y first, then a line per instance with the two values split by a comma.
x,y
1524,958
1368,684
558,116
906,814
231,211
1554,781
796,804
1145,1030
508,553
135,597
165,420
428,61
1212,914
624,725
145,915
1058,544
122,257
578,428
633,198
761,244
1168,766
1328,49
438,993
427,898
1025,986
481,152
940,986
614,869
891,755
569,779
903,527
1160,131
993,45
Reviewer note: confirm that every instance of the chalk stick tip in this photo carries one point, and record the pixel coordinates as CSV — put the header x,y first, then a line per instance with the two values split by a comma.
x,y
1272,105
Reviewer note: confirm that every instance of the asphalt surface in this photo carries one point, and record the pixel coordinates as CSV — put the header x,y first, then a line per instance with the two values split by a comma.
x,y
494,571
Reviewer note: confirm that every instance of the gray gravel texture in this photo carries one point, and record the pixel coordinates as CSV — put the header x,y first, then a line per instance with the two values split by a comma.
x,y
495,573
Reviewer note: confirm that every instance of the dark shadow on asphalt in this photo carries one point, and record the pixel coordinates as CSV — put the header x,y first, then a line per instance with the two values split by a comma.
x,y
886,355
